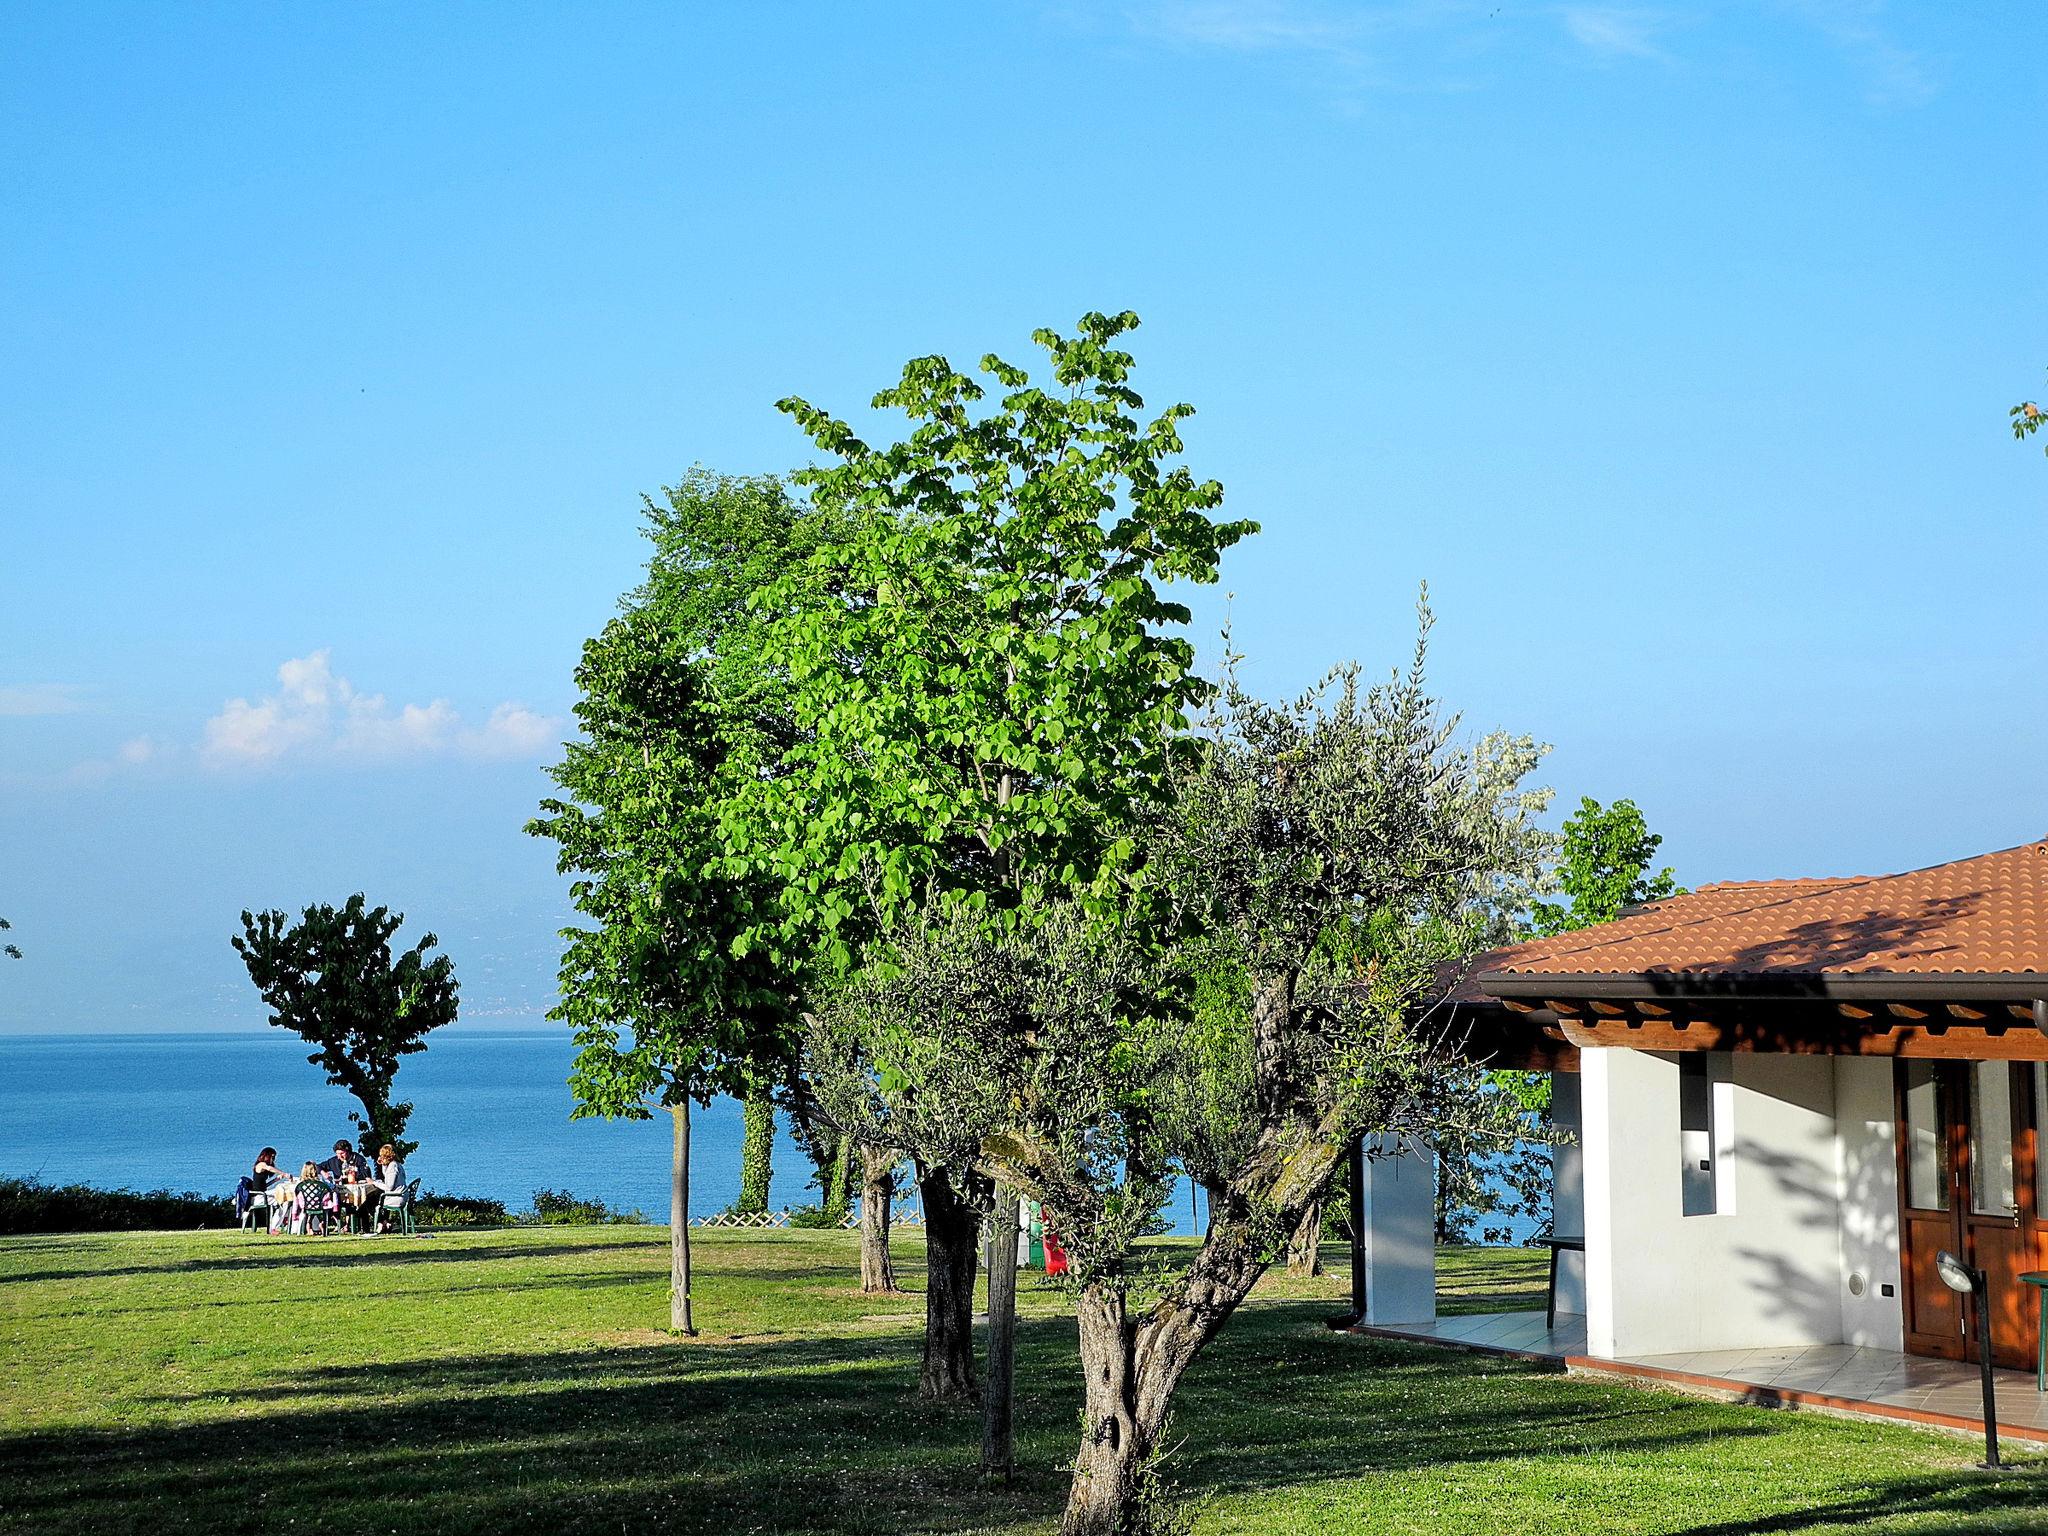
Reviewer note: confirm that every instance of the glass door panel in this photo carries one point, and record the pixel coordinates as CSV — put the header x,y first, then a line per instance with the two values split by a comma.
x,y
1993,1188
1927,1172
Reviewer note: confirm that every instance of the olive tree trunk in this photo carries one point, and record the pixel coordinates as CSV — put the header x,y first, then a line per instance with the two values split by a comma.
x,y
952,1238
679,1223
1305,1248
1131,1366
878,1190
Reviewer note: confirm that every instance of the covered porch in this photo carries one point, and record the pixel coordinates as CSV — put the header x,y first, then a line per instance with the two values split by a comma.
x,y
1858,1380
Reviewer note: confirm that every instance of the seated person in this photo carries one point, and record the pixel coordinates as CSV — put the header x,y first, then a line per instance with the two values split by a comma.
x,y
388,1177
257,1180
288,1199
349,1173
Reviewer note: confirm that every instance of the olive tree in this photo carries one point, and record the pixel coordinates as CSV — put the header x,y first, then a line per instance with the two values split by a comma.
x,y
1298,826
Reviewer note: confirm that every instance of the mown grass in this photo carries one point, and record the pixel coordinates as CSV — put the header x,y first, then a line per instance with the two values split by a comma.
x,y
519,1381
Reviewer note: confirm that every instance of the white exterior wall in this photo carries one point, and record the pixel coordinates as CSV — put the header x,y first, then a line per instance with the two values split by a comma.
x,y
1867,1191
1400,1228
1766,1267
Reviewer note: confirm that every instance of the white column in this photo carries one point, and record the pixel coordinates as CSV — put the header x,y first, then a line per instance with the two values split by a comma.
x,y
1400,1231
1597,1194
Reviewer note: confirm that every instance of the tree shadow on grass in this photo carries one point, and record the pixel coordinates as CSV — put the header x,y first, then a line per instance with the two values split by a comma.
x,y
806,1435
314,1253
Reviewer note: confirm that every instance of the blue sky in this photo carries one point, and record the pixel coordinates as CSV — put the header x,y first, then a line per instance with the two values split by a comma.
x,y
1670,344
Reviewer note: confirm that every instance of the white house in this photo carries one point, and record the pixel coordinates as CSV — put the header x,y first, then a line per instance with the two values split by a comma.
x,y
1784,1099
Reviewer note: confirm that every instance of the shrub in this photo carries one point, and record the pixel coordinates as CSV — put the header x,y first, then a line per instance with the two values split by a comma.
x,y
29,1205
437,1210
559,1208
814,1218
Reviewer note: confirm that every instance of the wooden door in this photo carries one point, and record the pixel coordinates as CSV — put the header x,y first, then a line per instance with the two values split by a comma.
x,y
1968,1183
1930,1146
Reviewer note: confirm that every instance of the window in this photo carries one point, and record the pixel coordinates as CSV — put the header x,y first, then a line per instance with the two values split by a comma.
x,y
1926,1136
1993,1188
1706,1096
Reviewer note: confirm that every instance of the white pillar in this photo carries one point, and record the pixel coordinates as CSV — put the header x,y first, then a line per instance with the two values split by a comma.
x,y
1400,1231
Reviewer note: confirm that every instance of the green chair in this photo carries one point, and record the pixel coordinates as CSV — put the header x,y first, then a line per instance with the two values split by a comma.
x,y
399,1202
320,1219
256,1214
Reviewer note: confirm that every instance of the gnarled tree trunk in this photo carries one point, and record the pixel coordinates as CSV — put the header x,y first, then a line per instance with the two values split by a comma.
x,y
1130,1367
878,1189
952,1239
1305,1248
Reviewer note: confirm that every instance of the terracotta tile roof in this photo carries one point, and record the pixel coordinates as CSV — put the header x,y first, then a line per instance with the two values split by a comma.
x,y
1986,916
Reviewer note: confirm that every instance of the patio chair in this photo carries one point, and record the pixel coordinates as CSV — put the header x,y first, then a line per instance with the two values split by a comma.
x,y
399,1203
258,1207
323,1206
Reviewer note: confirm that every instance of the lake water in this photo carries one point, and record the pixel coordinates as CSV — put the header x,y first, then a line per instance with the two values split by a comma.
x,y
490,1112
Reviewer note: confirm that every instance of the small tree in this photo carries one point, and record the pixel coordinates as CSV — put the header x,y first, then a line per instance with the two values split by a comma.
x,y
1604,868
332,980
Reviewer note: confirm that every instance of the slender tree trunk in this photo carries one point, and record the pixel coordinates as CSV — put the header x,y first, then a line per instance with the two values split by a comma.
x,y
757,1150
952,1238
999,1381
1305,1248
878,1189
679,1224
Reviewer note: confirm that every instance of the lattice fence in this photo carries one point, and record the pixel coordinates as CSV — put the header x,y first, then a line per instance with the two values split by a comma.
x,y
902,1216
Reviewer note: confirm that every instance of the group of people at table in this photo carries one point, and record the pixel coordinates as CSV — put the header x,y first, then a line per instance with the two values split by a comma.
x,y
331,1188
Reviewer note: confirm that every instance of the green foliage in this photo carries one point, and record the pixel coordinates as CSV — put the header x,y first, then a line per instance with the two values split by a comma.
x,y
1604,868
757,1150
981,676
331,979
817,1218
677,711
29,1205
559,1208
9,950
438,1212
2026,421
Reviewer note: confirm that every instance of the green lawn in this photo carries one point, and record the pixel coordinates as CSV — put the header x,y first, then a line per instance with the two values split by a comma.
x,y
517,1381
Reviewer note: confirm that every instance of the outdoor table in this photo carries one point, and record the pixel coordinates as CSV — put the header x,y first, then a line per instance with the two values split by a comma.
x,y
1556,1245
2038,1279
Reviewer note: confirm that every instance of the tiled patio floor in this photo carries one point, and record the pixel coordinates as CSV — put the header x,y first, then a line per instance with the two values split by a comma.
x,y
1839,1377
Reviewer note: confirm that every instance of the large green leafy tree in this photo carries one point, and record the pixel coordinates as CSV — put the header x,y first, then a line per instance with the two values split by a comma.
x,y
332,979
675,710
985,678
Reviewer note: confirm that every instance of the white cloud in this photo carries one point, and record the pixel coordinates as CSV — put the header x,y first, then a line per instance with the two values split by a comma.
x,y
19,700
317,714
1615,31
1893,75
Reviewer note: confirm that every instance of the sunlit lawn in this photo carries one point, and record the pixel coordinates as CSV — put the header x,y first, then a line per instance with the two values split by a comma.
x,y
519,1381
